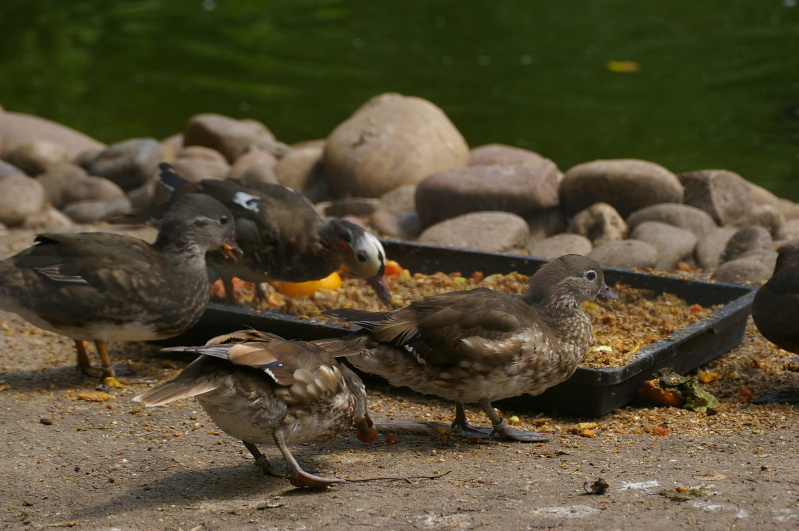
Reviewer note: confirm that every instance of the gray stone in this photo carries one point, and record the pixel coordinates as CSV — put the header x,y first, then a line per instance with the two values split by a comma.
x,y
303,169
95,211
625,254
20,198
492,154
195,163
401,225
7,169
770,217
91,189
390,141
754,267
253,157
36,156
723,194
57,181
17,128
683,216
626,184
48,220
545,223
599,223
561,244
228,136
745,240
484,231
400,200
673,244
129,164
710,247
517,188
788,230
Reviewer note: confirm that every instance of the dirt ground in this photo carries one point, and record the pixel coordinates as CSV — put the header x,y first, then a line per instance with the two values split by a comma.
x,y
68,461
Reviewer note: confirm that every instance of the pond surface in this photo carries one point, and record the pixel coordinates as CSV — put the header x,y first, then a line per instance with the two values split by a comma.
x,y
689,85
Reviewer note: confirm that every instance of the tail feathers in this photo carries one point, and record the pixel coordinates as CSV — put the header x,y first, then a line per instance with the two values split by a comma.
x,y
362,318
174,390
215,351
342,347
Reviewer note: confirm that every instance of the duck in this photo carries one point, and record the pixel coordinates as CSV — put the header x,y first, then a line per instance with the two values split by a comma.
x,y
102,286
775,310
284,238
261,388
481,345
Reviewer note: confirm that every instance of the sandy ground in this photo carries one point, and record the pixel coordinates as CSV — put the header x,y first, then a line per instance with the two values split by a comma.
x,y
68,461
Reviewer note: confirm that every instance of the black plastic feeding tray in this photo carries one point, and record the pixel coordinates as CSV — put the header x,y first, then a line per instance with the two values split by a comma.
x,y
589,392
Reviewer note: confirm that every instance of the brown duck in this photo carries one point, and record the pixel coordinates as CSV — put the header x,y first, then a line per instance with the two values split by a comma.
x,y
261,388
482,345
775,310
101,287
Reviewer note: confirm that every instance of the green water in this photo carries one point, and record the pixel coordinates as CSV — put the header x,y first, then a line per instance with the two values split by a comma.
x,y
715,84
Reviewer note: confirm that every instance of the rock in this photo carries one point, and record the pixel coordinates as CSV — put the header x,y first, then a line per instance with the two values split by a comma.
x,y
491,154
625,254
753,267
484,231
710,247
599,223
545,223
626,184
517,188
401,225
229,136
745,240
95,211
195,163
20,198
723,194
129,163
561,244
672,243
303,169
770,217
253,157
48,220
683,216
390,141
17,128
58,180
7,170
258,174
400,200
36,156
92,189
788,230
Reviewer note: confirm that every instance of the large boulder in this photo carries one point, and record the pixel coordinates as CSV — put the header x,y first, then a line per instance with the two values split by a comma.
x,y
626,184
229,136
520,187
390,141
129,163
723,194
18,128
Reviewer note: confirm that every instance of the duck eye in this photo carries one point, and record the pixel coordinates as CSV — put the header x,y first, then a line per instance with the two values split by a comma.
x,y
591,275
223,220
361,257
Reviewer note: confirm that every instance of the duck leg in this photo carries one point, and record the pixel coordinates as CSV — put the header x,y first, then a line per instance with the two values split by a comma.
x,y
504,432
230,295
85,364
298,476
461,426
261,461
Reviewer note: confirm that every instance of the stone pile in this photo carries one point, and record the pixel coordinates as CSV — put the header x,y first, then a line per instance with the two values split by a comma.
x,y
400,167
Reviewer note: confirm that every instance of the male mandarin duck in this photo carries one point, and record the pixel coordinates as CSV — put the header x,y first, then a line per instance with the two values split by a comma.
x,y
101,287
284,238
482,345
261,388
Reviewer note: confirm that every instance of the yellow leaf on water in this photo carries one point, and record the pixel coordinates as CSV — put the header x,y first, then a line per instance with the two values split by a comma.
x,y
624,67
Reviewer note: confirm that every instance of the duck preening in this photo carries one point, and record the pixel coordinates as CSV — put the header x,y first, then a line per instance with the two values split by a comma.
x,y
261,388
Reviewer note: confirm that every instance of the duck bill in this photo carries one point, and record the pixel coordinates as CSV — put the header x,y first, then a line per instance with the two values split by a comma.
x,y
605,292
231,250
380,285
